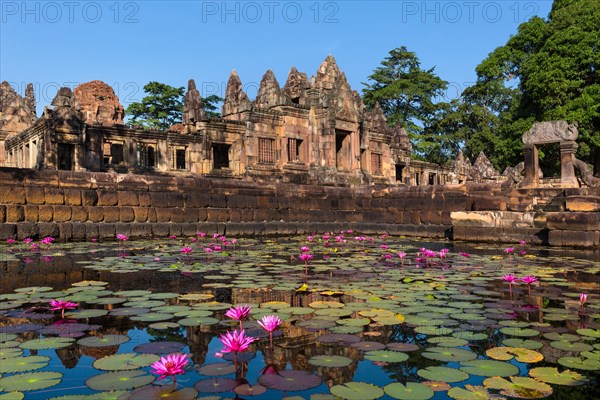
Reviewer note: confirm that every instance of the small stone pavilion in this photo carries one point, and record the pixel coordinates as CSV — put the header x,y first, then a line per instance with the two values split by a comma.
x,y
313,130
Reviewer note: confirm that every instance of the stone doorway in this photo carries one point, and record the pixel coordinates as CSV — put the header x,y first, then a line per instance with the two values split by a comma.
x,y
65,153
220,155
343,149
399,172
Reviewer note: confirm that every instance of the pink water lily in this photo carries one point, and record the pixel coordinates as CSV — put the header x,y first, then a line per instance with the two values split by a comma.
x,y
239,313
235,341
509,250
510,278
582,298
10,241
62,306
305,249
306,257
529,280
465,255
186,250
122,237
171,365
269,323
47,240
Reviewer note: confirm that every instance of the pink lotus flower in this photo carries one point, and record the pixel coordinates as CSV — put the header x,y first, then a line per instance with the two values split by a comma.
x,y
465,255
349,231
93,240
239,313
10,241
122,237
582,298
270,322
509,250
47,240
201,234
171,365
510,278
306,257
235,341
186,250
384,246
305,249
310,238
523,243
529,279
62,305
28,240
172,237
402,255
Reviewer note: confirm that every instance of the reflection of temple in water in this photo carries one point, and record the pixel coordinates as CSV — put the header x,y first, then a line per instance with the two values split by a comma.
x,y
199,338
69,356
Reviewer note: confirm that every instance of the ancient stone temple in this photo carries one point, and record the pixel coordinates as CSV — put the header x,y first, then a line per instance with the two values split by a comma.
x,y
315,130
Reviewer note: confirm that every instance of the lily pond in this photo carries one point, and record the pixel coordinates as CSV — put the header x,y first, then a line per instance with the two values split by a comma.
x,y
328,316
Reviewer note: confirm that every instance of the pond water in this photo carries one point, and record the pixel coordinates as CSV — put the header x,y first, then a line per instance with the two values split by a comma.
x,y
362,318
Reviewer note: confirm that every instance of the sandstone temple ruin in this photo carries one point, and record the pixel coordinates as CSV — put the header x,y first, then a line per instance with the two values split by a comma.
x,y
313,130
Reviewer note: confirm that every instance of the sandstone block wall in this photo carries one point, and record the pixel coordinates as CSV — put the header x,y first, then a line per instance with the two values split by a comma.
x,y
85,205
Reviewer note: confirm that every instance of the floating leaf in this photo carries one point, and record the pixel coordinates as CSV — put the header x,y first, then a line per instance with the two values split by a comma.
x,y
489,368
217,369
103,341
519,387
443,374
520,332
215,385
22,364
580,363
12,396
448,354
551,375
386,356
119,380
46,343
357,391
523,343
368,346
471,392
338,338
519,354
30,381
330,361
125,361
153,392
86,314
159,347
593,333
410,391
570,346
398,346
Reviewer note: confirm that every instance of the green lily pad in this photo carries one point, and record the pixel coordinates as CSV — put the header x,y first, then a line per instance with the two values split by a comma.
x,y
571,346
23,364
103,341
119,380
523,343
471,392
520,387
580,363
357,391
561,336
489,368
12,396
443,374
152,317
551,375
125,361
447,341
10,352
30,381
448,354
330,361
520,332
47,343
86,314
218,369
519,354
197,321
386,356
593,333
410,391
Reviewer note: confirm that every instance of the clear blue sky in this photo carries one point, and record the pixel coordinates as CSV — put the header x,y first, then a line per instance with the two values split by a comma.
x,y
129,43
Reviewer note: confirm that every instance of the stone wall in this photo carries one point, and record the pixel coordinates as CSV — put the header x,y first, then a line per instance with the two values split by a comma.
x,y
85,205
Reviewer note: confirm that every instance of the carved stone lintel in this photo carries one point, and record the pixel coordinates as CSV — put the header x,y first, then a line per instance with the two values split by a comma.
x,y
550,132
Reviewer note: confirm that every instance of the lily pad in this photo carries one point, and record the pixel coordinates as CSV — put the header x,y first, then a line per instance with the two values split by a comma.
x,y
290,380
519,387
217,369
215,385
357,391
570,346
471,392
330,361
119,380
410,391
386,356
593,333
125,361
153,392
519,332
443,374
103,341
489,368
47,343
250,390
159,347
551,375
448,354
30,381
523,343
519,354
22,364
588,364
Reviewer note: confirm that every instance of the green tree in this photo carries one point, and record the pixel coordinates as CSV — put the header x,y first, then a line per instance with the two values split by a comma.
x,y
406,94
554,66
211,105
161,109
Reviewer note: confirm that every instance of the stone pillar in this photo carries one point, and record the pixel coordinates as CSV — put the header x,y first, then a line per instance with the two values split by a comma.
x,y
531,167
567,167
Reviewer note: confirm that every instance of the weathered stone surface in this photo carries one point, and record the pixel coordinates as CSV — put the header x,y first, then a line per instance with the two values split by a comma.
x,y
65,231
106,231
35,195
95,214
2,213
483,169
550,132
269,92
45,213
140,214
236,99
161,230
31,213
54,196
583,203
27,230
72,197
163,214
62,213
89,198
573,221
78,231
48,229
15,113
128,198
112,214
14,213
8,231
193,108
574,238
108,198
295,87
99,104
30,99
15,195
126,214
79,214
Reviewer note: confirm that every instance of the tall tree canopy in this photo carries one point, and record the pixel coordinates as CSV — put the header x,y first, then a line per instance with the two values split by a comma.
x,y
406,94
163,106
554,64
